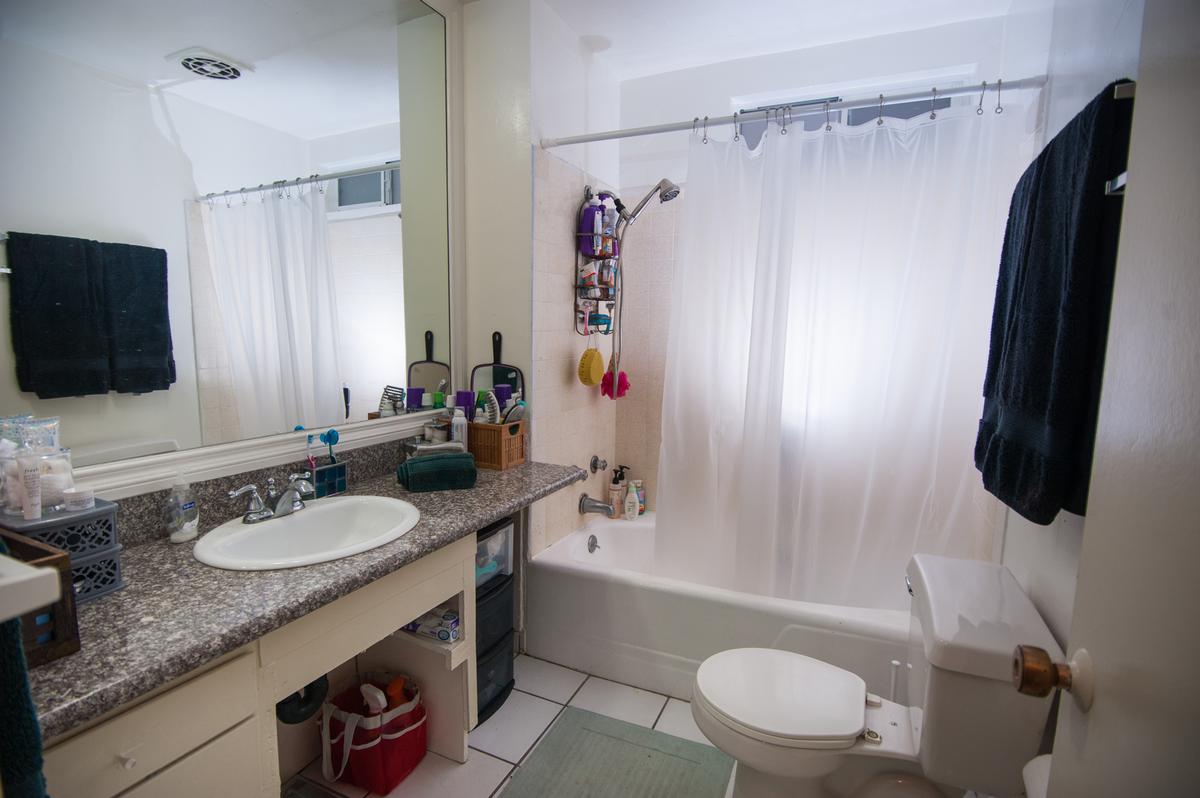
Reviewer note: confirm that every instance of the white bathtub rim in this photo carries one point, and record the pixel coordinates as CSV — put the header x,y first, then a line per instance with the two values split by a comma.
x,y
880,624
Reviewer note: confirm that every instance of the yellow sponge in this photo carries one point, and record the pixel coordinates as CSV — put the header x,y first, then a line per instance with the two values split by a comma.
x,y
591,367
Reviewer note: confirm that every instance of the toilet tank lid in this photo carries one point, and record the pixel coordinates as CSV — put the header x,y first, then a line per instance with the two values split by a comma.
x,y
973,614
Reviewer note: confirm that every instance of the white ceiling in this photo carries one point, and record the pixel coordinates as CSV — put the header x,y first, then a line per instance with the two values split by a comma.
x,y
319,67
652,36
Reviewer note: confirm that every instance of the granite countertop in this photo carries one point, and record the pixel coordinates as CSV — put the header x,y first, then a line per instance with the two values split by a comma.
x,y
175,614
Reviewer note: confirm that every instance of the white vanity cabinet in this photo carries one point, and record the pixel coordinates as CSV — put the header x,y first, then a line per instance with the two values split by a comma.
x,y
213,732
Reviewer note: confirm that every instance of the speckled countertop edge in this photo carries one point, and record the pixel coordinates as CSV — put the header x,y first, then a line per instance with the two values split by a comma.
x,y
177,614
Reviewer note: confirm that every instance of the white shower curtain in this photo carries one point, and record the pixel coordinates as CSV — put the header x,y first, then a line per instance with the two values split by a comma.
x,y
274,283
828,339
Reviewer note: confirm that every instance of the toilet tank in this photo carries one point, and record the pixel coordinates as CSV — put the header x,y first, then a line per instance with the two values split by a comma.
x,y
975,730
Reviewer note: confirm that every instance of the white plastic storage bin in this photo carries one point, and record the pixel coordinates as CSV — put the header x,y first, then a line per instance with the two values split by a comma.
x,y
494,551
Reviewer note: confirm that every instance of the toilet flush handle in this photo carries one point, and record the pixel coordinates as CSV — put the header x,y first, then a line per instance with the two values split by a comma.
x,y
1035,673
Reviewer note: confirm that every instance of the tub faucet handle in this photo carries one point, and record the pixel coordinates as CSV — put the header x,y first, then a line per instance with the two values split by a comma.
x,y
598,464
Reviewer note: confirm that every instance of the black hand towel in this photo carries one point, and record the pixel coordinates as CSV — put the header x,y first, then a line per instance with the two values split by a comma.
x,y
54,309
1050,324
136,318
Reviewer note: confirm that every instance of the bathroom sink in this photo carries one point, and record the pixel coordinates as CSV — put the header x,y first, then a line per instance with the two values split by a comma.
x,y
326,529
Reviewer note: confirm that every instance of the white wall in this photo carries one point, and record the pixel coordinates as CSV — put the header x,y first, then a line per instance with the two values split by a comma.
x,y
1092,43
1006,47
228,152
422,70
499,180
354,148
82,155
573,93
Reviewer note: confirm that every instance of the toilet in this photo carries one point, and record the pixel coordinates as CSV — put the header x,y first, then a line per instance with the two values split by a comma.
x,y
802,728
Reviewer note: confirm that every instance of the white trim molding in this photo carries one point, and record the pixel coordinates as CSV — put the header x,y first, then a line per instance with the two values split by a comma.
x,y
125,478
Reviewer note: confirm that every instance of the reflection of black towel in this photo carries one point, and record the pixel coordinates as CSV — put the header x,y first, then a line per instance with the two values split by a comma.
x,y
54,308
1050,323
135,314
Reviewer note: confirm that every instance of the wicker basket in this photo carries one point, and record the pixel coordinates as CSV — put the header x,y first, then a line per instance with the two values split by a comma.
x,y
51,632
497,446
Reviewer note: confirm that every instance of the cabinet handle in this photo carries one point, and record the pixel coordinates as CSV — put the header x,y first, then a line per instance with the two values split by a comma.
x,y
1035,673
127,762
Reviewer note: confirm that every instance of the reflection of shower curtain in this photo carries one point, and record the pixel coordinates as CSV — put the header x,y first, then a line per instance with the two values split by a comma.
x,y
275,289
828,339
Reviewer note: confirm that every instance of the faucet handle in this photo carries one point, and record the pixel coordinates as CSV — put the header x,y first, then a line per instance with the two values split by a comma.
x,y
301,484
255,504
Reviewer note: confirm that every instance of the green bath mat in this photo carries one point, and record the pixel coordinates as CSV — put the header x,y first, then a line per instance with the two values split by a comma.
x,y
585,755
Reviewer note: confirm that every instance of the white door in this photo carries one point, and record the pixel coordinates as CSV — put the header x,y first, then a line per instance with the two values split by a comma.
x,y
1137,606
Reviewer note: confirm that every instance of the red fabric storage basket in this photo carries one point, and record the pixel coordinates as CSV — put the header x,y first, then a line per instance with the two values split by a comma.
x,y
375,752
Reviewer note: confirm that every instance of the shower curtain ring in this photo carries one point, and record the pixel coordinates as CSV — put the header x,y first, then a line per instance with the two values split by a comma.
x,y
226,200
828,127
695,124
737,133
982,91
784,114
705,139
933,104
999,85
879,121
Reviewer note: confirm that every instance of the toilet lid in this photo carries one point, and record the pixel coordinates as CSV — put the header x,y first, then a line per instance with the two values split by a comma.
x,y
789,697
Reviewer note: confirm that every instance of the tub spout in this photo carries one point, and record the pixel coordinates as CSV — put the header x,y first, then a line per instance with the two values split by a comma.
x,y
589,505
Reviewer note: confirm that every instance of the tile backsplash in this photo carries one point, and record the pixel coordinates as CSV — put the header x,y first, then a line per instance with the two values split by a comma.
x,y
571,422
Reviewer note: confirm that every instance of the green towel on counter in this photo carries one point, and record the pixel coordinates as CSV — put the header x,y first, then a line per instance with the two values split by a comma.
x,y
21,739
450,471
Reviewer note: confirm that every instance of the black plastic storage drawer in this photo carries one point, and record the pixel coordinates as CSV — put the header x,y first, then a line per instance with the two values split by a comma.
x,y
494,612
494,671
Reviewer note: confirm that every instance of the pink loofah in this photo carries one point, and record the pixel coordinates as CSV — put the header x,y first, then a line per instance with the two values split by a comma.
x,y
606,385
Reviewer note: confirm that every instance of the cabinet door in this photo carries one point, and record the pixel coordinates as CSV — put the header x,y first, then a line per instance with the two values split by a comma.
x,y
122,751
226,766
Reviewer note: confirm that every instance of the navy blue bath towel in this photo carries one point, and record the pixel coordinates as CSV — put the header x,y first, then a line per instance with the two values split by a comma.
x,y
89,317
1050,323
59,341
141,356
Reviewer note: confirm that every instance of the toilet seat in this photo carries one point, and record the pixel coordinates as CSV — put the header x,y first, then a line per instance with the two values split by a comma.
x,y
782,698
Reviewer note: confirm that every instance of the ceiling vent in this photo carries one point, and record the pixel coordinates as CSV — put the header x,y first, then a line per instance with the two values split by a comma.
x,y
209,64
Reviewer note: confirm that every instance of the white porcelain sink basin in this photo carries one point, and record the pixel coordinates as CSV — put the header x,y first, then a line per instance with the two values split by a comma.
x,y
326,529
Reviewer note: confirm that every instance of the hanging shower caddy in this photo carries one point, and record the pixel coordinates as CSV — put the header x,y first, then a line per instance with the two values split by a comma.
x,y
597,263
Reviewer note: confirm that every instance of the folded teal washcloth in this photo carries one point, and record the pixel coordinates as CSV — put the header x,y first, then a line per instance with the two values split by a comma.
x,y
21,741
450,471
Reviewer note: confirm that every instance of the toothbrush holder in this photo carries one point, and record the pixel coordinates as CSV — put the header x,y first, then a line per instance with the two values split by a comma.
x,y
330,479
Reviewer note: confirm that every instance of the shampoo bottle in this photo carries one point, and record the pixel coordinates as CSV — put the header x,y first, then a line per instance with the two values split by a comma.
x,y
631,505
616,490
458,427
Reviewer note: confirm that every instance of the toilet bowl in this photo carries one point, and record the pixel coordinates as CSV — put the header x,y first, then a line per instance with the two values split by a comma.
x,y
790,720
803,728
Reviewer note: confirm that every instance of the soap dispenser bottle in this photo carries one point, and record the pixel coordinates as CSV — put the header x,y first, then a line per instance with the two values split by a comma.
x,y
182,514
616,490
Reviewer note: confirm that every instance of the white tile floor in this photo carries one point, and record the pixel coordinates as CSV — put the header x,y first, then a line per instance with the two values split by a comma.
x,y
501,743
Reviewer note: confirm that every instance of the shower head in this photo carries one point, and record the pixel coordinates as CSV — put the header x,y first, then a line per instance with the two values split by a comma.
x,y
666,190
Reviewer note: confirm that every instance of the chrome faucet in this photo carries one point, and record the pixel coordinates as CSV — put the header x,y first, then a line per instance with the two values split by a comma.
x,y
589,505
255,509
291,500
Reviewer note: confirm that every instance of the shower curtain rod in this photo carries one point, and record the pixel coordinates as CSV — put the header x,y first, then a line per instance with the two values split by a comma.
x,y
300,181
835,103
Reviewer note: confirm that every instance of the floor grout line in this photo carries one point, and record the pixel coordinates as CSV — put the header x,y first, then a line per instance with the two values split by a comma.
x,y
535,695
661,710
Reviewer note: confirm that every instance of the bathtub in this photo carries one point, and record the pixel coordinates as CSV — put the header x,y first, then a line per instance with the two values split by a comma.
x,y
604,613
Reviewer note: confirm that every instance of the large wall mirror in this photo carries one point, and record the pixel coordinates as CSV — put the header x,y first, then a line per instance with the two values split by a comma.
x,y
224,220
